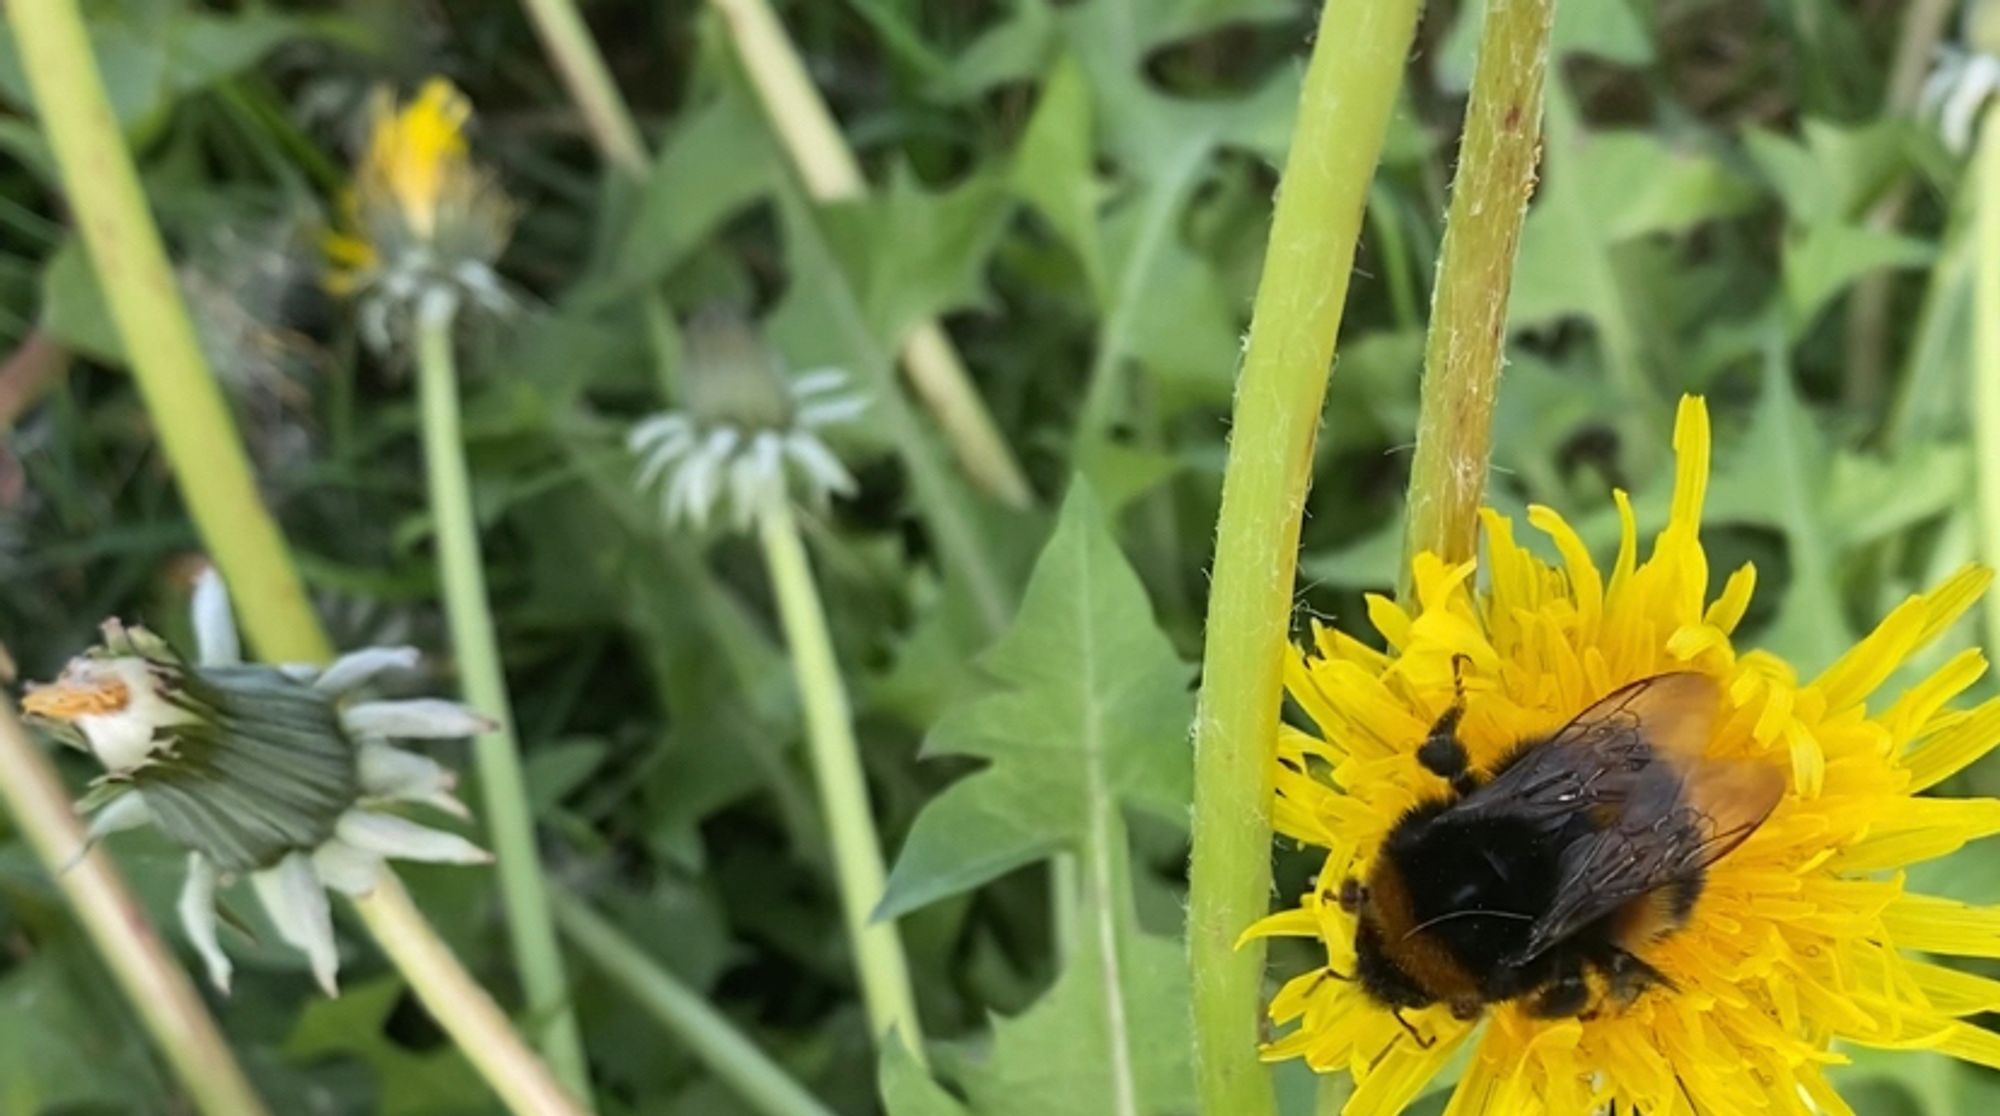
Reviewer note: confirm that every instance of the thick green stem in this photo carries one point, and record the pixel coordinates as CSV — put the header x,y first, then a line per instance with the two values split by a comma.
x,y
759,1081
843,789
1986,355
467,1013
191,419
148,973
1350,89
1468,330
504,795
806,128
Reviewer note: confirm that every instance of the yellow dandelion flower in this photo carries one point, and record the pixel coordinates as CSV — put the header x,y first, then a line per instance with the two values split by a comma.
x,y
1803,936
420,215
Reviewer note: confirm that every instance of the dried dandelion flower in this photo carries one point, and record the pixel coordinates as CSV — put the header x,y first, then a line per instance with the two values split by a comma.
x,y
1803,937
750,434
269,774
421,220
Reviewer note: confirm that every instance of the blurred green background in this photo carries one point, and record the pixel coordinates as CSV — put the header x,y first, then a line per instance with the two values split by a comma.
x,y
1748,199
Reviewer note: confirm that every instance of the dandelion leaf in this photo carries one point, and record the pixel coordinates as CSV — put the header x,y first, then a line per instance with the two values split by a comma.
x,y
1088,710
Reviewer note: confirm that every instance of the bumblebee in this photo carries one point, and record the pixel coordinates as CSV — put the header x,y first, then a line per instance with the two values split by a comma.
x,y
1564,861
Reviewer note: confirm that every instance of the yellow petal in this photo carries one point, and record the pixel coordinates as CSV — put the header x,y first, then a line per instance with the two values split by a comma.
x,y
1950,600
1691,449
1936,925
1586,584
1973,1044
1951,750
1728,609
1953,992
1401,1074
1922,701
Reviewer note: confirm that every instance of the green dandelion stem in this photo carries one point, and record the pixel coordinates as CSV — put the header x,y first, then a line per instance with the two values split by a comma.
x,y
806,128
615,133
1986,356
843,789
148,973
504,795
464,1009
757,1079
1468,330
1350,88
584,74
189,415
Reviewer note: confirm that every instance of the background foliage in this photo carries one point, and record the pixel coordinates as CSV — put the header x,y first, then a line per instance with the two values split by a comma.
x,y
1737,199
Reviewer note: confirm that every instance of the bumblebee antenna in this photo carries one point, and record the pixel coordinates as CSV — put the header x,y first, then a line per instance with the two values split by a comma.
x,y
1449,915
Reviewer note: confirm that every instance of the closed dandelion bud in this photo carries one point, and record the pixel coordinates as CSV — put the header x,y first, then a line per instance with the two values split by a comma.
x,y
750,433
267,774
421,223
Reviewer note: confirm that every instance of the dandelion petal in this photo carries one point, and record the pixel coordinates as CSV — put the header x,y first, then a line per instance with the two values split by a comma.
x,y
297,904
355,668
215,636
127,811
416,718
197,910
391,836
346,869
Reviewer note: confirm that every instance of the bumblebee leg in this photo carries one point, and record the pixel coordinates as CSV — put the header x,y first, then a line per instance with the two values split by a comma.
x,y
1443,754
1565,997
1629,976
1423,1043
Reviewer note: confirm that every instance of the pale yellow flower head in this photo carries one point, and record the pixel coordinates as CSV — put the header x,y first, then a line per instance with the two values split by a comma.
x,y
1805,937
420,216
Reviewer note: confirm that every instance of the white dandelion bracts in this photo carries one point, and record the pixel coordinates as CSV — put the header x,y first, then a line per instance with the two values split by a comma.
x,y
749,435
1804,937
261,773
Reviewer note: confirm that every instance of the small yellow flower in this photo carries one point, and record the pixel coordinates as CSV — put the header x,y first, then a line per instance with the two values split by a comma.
x,y
1803,937
420,216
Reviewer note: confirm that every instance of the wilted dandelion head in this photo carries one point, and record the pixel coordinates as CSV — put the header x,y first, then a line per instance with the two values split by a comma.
x,y
749,434
420,217
262,773
1803,937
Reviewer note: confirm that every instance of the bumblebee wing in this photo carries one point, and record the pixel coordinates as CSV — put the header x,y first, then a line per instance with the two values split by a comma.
x,y
1713,809
1598,761
1664,811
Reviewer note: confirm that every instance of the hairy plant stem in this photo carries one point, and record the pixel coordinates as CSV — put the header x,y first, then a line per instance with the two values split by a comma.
x,y
1986,355
761,1083
189,415
1468,328
1350,88
521,1081
145,969
504,796
879,962
806,128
